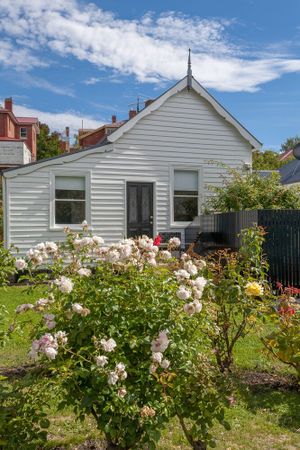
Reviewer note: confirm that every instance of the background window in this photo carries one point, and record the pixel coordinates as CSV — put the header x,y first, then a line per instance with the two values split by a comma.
x,y
69,200
23,133
185,195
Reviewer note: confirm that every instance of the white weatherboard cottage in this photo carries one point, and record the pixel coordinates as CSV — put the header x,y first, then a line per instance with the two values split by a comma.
x,y
150,177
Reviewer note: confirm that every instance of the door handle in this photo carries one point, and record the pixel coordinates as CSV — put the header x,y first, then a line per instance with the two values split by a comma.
x,y
151,220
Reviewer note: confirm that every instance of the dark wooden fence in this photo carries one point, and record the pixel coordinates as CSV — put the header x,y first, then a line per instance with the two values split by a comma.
x,y
282,243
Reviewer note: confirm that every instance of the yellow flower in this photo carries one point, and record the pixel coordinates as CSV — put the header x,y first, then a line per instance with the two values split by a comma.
x,y
254,289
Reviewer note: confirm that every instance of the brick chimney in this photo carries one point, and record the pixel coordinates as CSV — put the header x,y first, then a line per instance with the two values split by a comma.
x,y
132,113
8,103
67,132
148,102
113,119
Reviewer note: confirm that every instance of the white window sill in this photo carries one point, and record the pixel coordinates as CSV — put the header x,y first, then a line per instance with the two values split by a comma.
x,y
180,224
77,227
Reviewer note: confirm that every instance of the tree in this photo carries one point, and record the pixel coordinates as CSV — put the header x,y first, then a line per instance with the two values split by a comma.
x,y
290,143
242,191
48,144
267,160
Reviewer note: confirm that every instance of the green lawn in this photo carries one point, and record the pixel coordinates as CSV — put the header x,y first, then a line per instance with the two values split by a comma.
x,y
265,415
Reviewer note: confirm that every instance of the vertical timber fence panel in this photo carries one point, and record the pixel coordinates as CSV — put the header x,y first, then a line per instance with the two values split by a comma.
x,y
282,241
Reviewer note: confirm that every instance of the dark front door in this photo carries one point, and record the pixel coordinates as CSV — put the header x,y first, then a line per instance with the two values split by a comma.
x,y
139,209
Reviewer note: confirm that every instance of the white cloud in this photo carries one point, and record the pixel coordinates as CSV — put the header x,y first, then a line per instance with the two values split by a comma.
x,y
153,48
58,121
21,59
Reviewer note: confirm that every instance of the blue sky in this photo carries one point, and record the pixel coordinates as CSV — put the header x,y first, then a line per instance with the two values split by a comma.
x,y
70,60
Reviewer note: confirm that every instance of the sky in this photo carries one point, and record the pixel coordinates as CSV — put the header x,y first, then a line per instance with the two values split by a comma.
x,y
68,61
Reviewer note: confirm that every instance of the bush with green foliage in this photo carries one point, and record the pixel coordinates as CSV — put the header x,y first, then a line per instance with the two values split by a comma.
x,y
23,421
121,328
237,294
249,191
284,340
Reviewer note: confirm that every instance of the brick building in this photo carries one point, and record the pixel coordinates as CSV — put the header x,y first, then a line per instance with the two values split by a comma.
x,y
17,137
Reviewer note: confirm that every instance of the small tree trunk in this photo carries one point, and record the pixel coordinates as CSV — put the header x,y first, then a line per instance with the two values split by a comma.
x,y
199,445
111,446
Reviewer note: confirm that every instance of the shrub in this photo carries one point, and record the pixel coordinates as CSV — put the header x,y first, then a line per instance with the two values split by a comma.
x,y
23,422
244,191
237,294
122,327
284,341
7,265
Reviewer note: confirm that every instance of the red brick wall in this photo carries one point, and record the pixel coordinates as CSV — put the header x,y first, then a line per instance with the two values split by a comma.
x,y
92,139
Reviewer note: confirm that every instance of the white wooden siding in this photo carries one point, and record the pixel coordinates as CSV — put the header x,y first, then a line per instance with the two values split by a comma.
x,y
184,131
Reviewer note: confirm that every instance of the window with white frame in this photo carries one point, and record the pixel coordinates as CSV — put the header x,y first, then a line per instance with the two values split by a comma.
x,y
23,132
185,195
70,200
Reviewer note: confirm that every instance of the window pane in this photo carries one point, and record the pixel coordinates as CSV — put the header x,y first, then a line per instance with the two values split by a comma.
x,y
72,195
68,213
186,180
186,193
23,132
185,208
70,183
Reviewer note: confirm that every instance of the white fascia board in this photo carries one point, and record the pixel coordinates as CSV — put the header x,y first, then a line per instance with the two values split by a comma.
x,y
55,161
182,84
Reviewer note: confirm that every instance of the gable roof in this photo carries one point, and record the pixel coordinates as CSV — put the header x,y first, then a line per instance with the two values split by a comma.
x,y
129,124
180,86
290,172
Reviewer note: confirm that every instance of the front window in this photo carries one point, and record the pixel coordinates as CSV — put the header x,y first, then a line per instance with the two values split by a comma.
x,y
70,200
23,133
185,195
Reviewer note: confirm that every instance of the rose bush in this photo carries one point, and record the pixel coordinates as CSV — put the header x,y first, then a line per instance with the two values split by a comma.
x,y
121,328
237,294
284,340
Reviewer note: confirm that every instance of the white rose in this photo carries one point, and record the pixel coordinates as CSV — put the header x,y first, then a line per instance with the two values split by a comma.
x,y
175,242
50,352
51,247
161,343
123,375
112,378
191,268
98,240
101,361
120,367
122,392
200,282
189,308
83,272
61,337
183,293
157,357
20,264
23,308
77,308
65,285
165,254
198,306
182,274
108,345
165,363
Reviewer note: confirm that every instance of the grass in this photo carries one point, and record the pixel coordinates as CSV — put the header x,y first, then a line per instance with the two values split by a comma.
x,y
262,418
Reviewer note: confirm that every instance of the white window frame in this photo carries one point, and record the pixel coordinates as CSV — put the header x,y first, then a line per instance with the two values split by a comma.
x,y
196,168
23,137
69,173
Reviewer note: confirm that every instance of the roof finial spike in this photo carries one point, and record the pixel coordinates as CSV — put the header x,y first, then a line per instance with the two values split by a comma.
x,y
189,72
